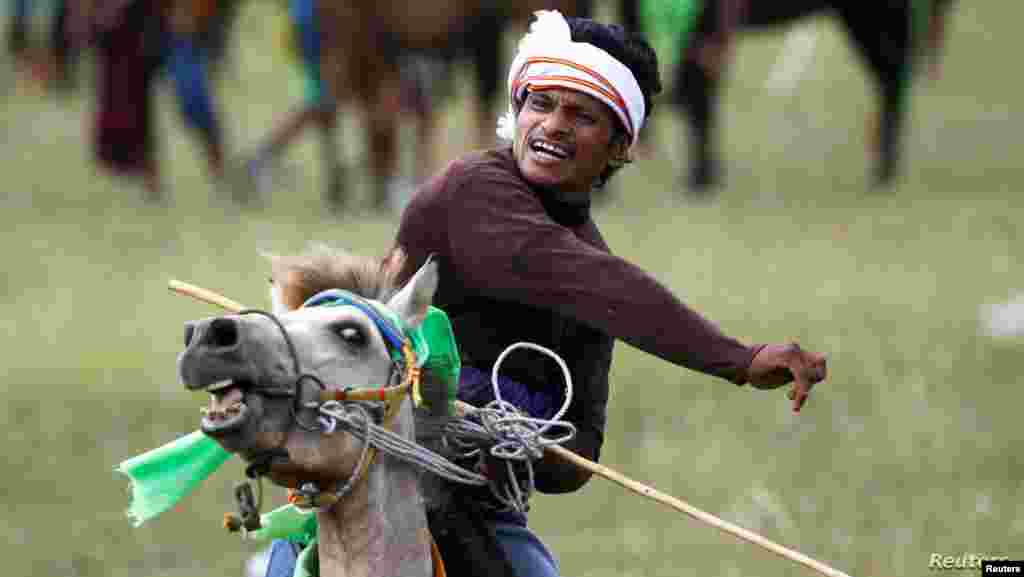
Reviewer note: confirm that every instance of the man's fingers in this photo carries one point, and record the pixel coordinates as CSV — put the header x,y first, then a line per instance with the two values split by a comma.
x,y
803,378
799,398
799,395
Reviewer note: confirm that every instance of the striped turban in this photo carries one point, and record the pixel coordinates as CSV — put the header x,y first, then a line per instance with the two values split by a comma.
x,y
548,57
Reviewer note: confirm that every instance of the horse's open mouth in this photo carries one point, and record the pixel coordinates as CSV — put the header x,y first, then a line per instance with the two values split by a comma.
x,y
227,410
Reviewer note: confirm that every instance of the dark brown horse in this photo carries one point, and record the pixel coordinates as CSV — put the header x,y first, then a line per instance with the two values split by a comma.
x,y
889,35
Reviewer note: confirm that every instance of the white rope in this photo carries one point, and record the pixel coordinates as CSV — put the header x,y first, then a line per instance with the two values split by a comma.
x,y
360,425
510,435
557,359
519,437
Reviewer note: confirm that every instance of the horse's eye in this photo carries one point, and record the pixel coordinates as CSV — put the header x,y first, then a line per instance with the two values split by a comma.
x,y
351,334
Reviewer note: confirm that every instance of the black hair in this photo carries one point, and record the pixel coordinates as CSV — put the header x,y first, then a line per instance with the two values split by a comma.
x,y
633,50
629,48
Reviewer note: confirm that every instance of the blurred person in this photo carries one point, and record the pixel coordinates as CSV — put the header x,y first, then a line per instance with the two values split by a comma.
x,y
521,259
188,64
134,39
127,36
215,36
316,110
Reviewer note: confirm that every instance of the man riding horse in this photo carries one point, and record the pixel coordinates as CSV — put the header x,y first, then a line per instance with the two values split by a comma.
x,y
520,259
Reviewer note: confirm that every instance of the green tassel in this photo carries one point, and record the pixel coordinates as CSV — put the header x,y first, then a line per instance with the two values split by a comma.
x,y
443,362
668,24
164,476
286,522
308,562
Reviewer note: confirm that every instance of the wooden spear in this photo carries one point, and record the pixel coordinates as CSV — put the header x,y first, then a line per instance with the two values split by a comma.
x,y
588,465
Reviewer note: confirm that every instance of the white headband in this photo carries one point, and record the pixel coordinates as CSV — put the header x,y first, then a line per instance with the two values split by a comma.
x,y
548,57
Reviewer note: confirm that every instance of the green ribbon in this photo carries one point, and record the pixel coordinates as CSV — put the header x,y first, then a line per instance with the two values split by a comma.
x,y
669,24
162,477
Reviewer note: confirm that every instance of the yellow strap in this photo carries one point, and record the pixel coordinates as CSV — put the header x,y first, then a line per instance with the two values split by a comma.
x,y
435,556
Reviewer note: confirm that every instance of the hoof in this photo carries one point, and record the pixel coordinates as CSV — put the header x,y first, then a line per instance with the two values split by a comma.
x,y
241,183
884,178
334,194
704,180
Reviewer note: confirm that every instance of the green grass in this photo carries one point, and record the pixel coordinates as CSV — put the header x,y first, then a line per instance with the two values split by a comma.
x,y
910,448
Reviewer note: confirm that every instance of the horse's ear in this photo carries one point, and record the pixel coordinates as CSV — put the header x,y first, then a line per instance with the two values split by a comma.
x,y
412,301
277,304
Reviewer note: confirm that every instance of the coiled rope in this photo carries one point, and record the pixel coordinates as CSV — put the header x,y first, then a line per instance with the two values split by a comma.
x,y
510,435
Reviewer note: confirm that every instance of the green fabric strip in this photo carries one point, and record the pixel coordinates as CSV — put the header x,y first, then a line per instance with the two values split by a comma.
x,y
308,563
668,24
165,475
286,522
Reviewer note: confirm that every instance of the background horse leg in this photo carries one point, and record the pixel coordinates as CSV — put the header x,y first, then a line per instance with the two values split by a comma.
x,y
381,96
696,87
696,93
629,12
188,66
485,38
17,27
881,33
217,35
64,57
326,118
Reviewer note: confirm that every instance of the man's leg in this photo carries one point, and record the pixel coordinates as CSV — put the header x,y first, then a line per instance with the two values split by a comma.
x,y
281,558
191,79
524,551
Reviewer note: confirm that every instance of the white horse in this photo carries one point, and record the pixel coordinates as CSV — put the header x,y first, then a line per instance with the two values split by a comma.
x,y
266,374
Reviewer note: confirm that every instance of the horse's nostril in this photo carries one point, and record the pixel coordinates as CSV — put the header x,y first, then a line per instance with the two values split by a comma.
x,y
222,333
190,331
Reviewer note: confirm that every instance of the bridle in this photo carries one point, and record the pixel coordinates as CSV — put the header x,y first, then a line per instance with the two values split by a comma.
x,y
403,380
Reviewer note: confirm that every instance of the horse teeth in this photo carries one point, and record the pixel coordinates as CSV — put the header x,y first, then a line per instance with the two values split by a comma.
x,y
220,385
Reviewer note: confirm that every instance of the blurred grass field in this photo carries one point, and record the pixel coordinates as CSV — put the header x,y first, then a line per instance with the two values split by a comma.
x,y
911,448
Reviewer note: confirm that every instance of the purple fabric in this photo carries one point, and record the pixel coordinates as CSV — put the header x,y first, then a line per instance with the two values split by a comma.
x,y
476,389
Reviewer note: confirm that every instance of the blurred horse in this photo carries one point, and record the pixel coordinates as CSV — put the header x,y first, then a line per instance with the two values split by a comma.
x,y
886,33
363,43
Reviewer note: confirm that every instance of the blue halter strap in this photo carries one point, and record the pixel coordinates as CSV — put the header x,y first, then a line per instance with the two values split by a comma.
x,y
389,328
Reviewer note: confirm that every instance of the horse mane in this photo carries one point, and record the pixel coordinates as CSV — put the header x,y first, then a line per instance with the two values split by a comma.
x,y
321,267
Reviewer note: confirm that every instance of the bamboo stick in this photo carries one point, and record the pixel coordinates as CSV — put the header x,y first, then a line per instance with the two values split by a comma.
x,y
204,295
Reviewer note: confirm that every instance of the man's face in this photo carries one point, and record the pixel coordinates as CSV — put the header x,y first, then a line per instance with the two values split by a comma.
x,y
564,139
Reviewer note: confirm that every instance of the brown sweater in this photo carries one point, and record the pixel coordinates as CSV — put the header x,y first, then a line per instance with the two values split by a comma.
x,y
516,264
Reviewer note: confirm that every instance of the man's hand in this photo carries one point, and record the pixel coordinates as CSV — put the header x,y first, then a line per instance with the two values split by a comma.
x,y
777,365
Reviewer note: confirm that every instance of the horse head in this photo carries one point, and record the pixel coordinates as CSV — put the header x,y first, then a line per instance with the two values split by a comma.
x,y
265,371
